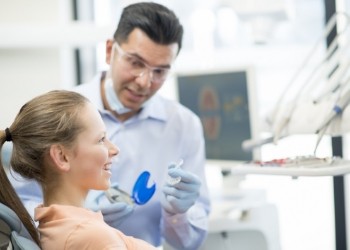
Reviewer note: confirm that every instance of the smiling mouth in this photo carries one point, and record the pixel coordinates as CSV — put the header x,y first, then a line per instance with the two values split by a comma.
x,y
136,91
107,167
136,94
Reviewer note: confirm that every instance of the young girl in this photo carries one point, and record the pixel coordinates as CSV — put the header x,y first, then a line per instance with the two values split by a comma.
x,y
59,140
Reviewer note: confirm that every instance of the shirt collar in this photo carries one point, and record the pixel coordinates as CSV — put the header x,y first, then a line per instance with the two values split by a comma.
x,y
155,109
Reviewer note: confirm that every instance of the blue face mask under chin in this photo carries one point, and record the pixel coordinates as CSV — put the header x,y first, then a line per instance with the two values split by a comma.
x,y
113,99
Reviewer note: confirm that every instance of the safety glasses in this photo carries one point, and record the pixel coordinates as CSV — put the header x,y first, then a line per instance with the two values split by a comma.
x,y
137,67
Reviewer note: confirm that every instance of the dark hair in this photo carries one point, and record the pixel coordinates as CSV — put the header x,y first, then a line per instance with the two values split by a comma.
x,y
47,119
159,23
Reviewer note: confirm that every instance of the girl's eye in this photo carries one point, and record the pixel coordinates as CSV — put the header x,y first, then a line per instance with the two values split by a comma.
x,y
102,140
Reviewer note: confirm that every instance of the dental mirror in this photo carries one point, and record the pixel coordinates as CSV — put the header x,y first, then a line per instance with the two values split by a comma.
x,y
141,194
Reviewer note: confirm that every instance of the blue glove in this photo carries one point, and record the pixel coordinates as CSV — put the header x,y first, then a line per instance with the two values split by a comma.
x,y
179,197
114,213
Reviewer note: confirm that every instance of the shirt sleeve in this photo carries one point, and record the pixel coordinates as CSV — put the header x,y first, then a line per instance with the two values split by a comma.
x,y
188,230
89,235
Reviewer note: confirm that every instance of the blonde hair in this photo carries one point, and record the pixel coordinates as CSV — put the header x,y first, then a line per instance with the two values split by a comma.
x,y
45,120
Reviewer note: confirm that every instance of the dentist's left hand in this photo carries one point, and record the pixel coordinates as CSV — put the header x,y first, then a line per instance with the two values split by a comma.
x,y
178,198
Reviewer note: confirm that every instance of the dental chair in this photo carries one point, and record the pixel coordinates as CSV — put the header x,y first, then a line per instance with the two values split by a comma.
x,y
13,234
242,219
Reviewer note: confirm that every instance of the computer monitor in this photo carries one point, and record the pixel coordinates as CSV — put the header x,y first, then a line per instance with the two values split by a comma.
x,y
225,103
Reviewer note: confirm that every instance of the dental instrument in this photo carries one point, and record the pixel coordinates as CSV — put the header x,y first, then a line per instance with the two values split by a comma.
x,y
141,194
173,165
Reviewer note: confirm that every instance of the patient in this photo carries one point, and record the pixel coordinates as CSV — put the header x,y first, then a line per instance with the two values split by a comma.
x,y
59,140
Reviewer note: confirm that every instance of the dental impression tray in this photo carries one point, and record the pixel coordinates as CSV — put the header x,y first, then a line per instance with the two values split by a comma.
x,y
141,194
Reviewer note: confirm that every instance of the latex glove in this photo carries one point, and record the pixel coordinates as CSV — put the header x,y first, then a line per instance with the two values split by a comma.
x,y
178,198
114,213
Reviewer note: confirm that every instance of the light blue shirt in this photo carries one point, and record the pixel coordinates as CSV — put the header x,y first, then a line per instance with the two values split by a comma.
x,y
163,132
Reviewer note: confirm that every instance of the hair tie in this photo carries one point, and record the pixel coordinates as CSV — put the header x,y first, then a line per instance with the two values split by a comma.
x,y
8,135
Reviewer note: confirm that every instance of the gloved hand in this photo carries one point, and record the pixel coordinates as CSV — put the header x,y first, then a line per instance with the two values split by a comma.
x,y
114,213
178,198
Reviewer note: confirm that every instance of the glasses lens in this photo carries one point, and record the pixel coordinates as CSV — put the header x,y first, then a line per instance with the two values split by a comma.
x,y
159,75
134,65
138,68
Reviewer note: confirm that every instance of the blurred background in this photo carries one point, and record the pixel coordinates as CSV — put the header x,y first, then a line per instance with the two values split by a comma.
x,y
54,44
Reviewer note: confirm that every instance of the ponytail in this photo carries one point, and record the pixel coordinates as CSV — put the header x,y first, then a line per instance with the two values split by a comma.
x,y
9,197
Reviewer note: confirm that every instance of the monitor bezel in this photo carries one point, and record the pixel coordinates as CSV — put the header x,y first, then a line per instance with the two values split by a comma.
x,y
249,70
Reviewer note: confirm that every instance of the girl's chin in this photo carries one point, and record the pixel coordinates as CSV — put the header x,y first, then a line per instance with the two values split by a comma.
x,y
104,187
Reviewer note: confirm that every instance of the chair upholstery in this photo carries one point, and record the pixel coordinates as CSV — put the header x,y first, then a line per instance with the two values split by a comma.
x,y
13,234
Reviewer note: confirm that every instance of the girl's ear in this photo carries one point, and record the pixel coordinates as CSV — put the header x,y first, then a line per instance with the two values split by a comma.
x,y
59,157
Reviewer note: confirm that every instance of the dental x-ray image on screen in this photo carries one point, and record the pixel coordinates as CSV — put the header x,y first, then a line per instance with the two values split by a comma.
x,y
222,101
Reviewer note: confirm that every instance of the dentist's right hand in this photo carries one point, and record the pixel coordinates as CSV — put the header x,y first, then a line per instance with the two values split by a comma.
x,y
113,213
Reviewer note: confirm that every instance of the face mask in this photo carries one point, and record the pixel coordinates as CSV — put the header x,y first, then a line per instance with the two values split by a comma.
x,y
113,99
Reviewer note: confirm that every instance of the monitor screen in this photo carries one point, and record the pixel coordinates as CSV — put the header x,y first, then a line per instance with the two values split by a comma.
x,y
224,103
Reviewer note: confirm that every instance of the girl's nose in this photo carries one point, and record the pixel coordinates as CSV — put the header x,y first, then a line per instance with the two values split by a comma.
x,y
113,149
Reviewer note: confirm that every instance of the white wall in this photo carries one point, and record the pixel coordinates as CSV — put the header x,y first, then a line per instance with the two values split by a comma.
x,y
27,71
24,74
22,11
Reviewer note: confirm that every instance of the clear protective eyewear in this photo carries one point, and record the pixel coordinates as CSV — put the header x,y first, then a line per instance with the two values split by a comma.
x,y
138,68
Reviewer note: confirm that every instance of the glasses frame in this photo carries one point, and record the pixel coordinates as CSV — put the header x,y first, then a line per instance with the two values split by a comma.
x,y
122,54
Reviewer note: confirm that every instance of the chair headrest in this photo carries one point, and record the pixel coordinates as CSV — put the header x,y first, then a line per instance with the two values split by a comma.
x,y
11,218
12,229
